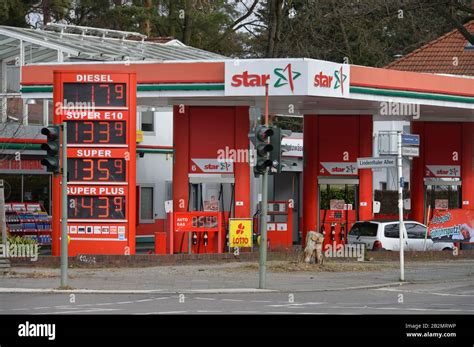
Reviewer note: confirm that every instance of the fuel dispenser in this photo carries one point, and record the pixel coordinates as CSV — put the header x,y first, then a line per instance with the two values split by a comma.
x,y
210,193
338,201
279,224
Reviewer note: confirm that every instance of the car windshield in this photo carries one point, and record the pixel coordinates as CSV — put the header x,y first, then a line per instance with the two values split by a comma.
x,y
364,229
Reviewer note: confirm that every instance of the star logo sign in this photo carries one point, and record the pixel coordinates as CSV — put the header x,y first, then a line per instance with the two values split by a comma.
x,y
286,76
340,79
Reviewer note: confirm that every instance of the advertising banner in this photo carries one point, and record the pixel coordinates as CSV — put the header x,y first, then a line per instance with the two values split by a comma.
x,y
452,226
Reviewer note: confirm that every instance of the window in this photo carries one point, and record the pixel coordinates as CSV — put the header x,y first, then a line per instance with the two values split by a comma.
x,y
148,121
146,204
364,229
392,231
415,231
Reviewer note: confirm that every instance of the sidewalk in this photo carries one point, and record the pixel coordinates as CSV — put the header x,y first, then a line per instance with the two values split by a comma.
x,y
281,276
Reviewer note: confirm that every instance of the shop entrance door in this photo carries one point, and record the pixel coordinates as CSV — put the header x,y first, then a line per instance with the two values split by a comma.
x,y
443,194
338,207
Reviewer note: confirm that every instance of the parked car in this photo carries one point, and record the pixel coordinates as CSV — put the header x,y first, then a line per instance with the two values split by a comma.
x,y
384,235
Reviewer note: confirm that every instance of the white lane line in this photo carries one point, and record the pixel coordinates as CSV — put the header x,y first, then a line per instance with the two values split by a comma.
x,y
262,301
245,312
124,302
144,300
20,309
422,292
233,300
162,298
299,304
167,312
209,299
105,303
399,308
41,307
279,313
208,311
92,310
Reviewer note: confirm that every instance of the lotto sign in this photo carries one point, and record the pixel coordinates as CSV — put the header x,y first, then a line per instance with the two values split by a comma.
x,y
240,232
99,110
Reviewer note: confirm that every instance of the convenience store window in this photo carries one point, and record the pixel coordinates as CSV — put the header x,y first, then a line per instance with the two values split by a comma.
x,y
28,188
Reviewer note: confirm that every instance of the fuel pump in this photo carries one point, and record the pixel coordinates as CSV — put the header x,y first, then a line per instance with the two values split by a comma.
x,y
194,238
343,235
333,232
206,240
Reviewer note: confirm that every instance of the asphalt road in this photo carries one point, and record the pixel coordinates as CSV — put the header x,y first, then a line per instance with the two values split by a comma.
x,y
454,297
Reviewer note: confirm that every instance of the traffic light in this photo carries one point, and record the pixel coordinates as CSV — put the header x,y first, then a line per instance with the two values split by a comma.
x,y
263,148
52,148
275,154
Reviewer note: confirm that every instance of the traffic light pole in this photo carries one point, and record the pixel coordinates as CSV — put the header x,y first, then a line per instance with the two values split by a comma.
x,y
262,269
64,250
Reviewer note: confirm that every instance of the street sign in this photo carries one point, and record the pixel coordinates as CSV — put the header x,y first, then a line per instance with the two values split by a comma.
x,y
369,163
411,151
410,139
240,231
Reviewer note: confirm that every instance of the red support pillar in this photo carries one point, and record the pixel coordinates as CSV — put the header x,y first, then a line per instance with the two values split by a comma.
x,y
417,188
467,166
181,134
241,166
365,176
310,175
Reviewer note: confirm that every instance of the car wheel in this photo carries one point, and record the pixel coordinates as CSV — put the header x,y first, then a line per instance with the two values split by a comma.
x,y
447,249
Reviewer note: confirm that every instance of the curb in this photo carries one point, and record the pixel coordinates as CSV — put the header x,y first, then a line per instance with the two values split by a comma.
x,y
125,291
184,291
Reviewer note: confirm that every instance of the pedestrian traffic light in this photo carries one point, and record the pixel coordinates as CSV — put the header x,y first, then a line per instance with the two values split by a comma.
x,y
278,150
52,148
263,147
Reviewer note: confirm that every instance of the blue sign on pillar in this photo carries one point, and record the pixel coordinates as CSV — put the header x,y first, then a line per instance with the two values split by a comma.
x,y
410,140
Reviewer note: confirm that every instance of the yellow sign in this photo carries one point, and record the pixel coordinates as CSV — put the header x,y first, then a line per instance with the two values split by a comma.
x,y
240,231
139,136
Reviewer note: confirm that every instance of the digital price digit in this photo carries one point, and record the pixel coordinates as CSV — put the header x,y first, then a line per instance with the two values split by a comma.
x,y
96,132
88,95
96,207
96,170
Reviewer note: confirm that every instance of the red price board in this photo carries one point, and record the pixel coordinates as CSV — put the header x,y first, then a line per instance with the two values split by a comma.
x,y
100,112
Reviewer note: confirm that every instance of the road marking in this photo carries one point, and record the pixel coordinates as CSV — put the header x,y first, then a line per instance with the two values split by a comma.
x,y
245,312
124,302
423,292
210,299
144,300
20,309
298,304
41,307
279,313
208,311
162,298
92,310
167,312
262,301
233,300
399,308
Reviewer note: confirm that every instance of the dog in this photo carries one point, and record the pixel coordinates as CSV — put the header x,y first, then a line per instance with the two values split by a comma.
x,y
314,247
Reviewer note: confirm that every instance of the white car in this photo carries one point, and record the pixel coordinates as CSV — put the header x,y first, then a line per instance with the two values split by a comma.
x,y
384,235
